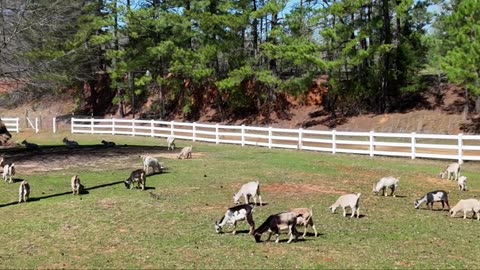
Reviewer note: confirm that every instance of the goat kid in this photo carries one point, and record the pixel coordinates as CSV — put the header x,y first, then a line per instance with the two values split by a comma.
x,y
462,183
250,189
304,218
152,162
8,172
452,170
171,143
348,200
108,144
138,176
466,206
23,191
186,153
276,223
30,146
70,144
433,196
77,187
384,183
235,214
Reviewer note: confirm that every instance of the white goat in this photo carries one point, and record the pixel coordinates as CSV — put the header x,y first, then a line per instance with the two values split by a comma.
x,y
77,187
384,183
186,153
250,189
152,162
466,206
304,218
275,223
8,172
30,146
462,183
348,200
23,191
171,143
453,169
70,144
235,214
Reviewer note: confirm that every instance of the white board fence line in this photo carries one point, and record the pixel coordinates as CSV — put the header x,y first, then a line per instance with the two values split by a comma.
x,y
12,124
435,146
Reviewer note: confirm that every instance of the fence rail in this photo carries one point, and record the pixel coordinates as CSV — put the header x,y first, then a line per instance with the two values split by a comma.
x,y
12,124
457,147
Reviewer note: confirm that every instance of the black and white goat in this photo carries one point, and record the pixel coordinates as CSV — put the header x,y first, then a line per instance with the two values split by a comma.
x,y
275,223
431,197
108,144
23,191
8,172
70,144
235,214
138,176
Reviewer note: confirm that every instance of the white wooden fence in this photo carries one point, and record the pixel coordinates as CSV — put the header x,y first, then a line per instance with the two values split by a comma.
x,y
457,147
12,124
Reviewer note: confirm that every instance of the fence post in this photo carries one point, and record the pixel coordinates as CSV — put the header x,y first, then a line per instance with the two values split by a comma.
x,y
36,124
151,128
300,138
171,127
269,137
133,127
113,126
243,135
217,136
72,122
334,145
54,124
371,140
194,131
414,141
91,125
460,148
18,124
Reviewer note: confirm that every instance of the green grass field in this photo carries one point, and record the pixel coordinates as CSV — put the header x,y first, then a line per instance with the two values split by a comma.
x,y
112,227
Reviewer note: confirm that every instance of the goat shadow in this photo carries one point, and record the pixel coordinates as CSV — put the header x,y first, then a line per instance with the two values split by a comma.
x,y
349,216
258,204
16,180
286,240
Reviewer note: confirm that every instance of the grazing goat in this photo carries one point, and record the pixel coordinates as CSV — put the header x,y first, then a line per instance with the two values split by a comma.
x,y
70,144
250,189
186,153
138,176
452,170
30,146
275,223
431,197
77,187
23,191
8,172
108,144
348,200
234,214
465,206
171,143
462,183
304,218
149,161
384,183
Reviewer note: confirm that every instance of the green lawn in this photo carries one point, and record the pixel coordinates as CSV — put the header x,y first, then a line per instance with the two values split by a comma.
x,y
112,227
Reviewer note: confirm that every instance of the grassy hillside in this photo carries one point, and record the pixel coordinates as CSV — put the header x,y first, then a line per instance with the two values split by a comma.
x,y
171,224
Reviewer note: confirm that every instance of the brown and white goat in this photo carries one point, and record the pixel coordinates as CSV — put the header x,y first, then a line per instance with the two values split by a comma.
x,y
77,187
275,223
138,176
304,218
235,214
23,191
